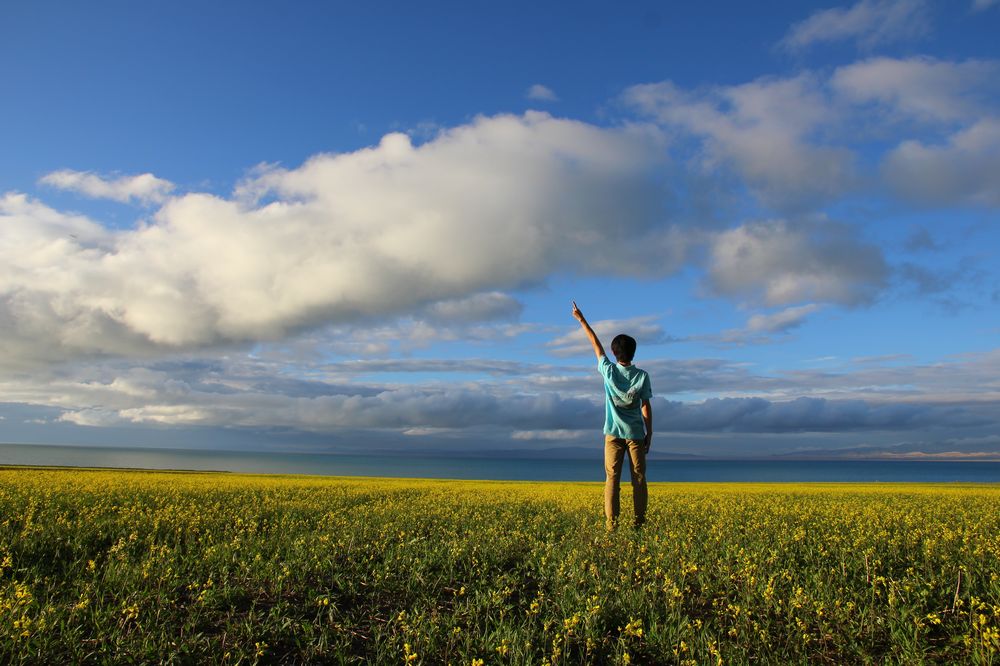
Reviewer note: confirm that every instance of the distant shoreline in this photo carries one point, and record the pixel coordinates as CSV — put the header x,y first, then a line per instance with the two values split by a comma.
x,y
544,466
569,453
114,469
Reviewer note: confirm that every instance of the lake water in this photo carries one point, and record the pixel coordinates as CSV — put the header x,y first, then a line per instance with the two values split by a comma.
x,y
498,468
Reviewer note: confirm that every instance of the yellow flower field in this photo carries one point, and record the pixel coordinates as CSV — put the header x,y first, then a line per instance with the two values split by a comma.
x,y
135,567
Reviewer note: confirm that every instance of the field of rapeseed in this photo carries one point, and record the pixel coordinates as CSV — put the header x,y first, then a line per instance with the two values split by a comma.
x,y
136,567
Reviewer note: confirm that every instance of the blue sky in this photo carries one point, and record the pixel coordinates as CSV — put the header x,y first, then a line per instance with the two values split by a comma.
x,y
346,228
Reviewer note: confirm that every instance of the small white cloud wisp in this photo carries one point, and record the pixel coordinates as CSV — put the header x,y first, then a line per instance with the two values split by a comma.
x,y
541,93
144,188
868,23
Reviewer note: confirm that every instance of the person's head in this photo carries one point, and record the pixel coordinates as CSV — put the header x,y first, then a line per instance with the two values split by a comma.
x,y
623,347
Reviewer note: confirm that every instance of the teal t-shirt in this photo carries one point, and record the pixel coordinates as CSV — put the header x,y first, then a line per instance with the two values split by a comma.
x,y
625,387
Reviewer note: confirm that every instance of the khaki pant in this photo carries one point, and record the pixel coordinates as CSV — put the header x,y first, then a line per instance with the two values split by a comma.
x,y
614,454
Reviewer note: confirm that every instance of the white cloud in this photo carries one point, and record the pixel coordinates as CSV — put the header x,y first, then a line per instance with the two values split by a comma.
x,y
920,87
91,417
488,306
761,329
781,321
47,260
964,170
548,435
541,93
780,263
496,204
868,23
980,5
646,330
797,144
143,188
957,167
427,432
767,130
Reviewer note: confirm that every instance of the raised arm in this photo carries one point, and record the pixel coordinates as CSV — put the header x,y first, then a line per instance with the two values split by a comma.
x,y
594,342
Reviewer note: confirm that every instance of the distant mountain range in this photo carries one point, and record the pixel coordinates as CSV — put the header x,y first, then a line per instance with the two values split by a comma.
x,y
902,452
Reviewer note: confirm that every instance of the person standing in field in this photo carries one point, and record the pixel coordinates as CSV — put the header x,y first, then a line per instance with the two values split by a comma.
x,y
628,421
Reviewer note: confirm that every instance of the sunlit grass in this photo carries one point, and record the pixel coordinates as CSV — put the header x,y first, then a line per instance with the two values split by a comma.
x,y
129,567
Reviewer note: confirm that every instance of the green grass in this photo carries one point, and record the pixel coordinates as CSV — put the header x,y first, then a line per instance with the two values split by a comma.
x,y
136,567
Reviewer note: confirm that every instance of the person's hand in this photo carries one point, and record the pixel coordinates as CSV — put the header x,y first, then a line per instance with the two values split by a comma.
x,y
576,313
646,444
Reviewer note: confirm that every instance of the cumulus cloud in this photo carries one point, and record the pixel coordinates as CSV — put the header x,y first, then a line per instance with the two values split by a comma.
x,y
964,169
541,93
781,321
91,418
957,167
761,328
646,330
144,188
868,23
47,260
489,306
796,144
921,88
780,263
496,204
767,130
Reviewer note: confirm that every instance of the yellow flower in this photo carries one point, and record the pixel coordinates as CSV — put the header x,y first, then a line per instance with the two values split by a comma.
x,y
633,628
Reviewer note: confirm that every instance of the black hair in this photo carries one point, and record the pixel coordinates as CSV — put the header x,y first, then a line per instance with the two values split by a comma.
x,y
623,347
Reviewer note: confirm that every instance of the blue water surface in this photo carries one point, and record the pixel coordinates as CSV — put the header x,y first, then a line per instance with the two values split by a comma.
x,y
525,469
